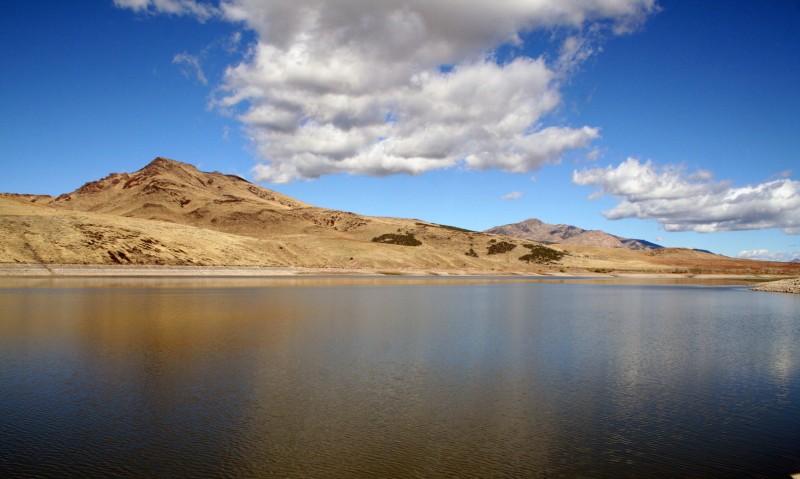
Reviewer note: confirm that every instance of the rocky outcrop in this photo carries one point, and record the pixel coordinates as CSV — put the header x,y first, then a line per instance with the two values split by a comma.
x,y
781,286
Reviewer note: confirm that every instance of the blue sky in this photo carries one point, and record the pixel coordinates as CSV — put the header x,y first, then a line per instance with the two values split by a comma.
x,y
675,122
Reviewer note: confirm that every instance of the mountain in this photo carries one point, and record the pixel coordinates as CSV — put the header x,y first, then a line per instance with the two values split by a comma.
x,y
536,230
170,213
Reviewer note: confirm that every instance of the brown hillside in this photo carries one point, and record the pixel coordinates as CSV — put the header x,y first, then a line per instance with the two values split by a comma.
x,y
173,214
177,192
179,208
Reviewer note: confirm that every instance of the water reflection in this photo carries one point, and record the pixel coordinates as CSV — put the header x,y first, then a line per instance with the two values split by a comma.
x,y
337,280
410,377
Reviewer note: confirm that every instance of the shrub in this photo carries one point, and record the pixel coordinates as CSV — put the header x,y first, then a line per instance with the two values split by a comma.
x,y
540,254
471,253
447,227
407,239
456,228
501,247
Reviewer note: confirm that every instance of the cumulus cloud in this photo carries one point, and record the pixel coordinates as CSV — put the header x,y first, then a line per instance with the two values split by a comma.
x,y
683,201
384,87
513,195
766,255
358,86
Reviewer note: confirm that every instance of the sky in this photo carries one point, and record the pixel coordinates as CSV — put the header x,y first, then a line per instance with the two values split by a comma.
x,y
676,122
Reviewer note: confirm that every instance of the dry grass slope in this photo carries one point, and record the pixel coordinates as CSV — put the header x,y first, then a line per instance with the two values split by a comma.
x,y
170,213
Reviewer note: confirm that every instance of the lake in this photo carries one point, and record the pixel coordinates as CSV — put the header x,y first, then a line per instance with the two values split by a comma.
x,y
396,377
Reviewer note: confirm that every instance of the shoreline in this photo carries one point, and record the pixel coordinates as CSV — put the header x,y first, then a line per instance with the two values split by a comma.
x,y
101,270
755,282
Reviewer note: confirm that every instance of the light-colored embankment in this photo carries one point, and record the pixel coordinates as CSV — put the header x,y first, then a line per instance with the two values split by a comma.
x,y
781,286
41,270
165,271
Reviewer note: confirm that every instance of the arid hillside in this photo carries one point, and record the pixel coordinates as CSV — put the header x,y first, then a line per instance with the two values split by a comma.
x,y
170,213
537,230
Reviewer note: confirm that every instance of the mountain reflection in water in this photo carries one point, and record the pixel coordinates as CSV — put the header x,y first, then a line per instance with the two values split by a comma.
x,y
396,377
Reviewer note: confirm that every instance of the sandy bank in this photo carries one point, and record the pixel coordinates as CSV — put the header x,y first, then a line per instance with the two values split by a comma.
x,y
162,271
76,270
781,286
42,270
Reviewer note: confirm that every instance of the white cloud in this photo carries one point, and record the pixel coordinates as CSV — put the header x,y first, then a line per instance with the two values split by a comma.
x,y
576,49
513,195
202,11
766,255
754,254
593,155
315,121
192,65
356,86
681,201
384,87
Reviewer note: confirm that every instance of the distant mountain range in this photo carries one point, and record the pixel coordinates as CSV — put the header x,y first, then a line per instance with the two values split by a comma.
x,y
539,231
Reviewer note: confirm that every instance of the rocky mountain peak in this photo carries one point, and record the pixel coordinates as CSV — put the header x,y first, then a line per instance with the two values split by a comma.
x,y
536,230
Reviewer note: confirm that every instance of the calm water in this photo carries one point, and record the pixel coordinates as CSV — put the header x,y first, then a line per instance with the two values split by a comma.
x,y
396,378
